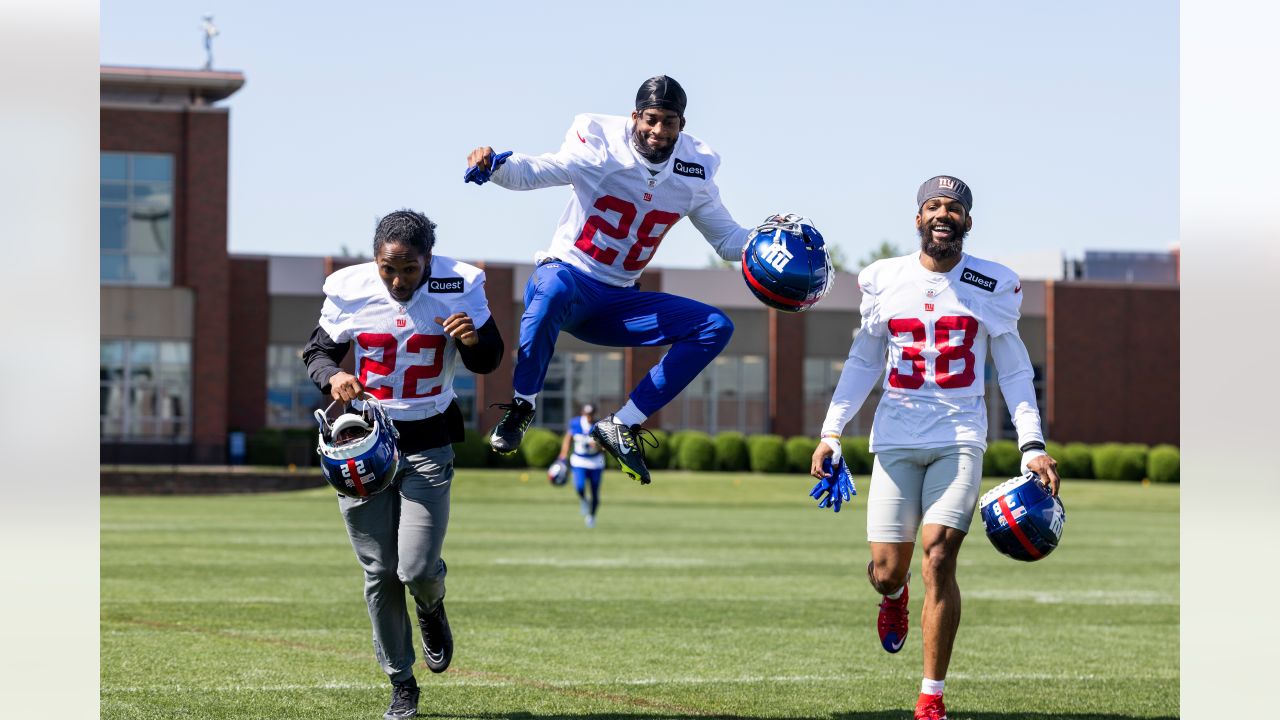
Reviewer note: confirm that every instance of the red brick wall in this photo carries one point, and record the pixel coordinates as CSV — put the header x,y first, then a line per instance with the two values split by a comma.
x,y
786,373
247,345
198,141
1112,369
496,386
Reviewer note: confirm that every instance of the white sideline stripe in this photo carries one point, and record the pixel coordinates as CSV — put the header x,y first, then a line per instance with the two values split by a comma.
x,y
480,682
1078,597
577,562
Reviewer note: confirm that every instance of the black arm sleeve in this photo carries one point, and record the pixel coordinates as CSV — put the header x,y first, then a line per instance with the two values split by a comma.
x,y
322,356
485,356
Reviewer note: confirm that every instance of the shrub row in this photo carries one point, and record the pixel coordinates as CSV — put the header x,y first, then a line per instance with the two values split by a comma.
x,y
735,452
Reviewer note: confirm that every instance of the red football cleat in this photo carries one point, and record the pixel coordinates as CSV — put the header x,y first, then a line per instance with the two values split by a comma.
x,y
930,707
892,623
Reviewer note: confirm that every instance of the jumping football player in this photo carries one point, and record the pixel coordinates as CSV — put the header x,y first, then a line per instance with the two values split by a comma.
x,y
587,461
933,315
411,314
633,178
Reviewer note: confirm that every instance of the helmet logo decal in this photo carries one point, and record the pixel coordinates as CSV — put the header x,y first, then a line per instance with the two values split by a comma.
x,y
352,471
777,255
1017,531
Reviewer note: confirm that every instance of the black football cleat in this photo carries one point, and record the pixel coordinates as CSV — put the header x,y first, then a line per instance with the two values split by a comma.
x,y
404,701
506,436
624,444
437,638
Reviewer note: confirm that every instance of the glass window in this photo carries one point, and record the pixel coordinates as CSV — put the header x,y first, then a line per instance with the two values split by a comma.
x,y
136,218
291,396
145,390
577,379
731,394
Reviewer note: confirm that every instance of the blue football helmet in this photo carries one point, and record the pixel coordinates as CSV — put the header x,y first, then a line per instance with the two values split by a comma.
x,y
358,452
785,264
558,473
1023,520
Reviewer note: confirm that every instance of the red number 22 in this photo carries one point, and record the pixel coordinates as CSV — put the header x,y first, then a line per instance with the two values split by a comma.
x,y
386,367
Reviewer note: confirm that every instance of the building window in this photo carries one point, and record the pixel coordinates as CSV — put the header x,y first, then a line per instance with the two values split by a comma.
x,y
146,390
136,218
732,394
820,378
576,379
291,396
464,386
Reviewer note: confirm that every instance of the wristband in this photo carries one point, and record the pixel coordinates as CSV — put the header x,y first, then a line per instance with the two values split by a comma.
x,y
1032,445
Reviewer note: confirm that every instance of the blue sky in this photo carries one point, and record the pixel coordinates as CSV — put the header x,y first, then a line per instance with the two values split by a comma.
x,y
1062,117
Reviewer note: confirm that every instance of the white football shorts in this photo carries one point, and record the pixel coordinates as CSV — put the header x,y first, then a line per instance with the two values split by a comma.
x,y
937,485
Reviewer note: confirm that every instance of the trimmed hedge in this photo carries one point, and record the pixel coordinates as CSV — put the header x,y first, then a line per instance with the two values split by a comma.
x,y
768,453
265,447
472,452
857,454
1002,459
656,457
697,452
731,452
1120,461
1162,464
677,437
540,447
800,453
1075,460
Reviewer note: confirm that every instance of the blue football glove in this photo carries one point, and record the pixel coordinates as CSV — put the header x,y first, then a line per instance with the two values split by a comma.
x,y
476,175
837,486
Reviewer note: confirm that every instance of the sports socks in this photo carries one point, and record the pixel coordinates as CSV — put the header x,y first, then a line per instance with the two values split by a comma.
x,y
896,593
629,415
531,399
931,687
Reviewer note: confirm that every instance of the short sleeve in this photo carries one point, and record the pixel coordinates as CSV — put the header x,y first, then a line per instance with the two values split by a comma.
x,y
336,319
474,303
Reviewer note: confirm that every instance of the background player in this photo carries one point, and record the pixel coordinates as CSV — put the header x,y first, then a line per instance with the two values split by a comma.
x,y
411,314
933,314
587,461
633,179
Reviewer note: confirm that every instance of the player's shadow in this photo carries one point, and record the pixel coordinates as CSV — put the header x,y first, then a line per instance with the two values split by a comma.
x,y
874,715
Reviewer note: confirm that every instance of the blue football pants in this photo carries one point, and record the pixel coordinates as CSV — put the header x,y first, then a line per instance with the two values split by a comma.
x,y
559,297
581,476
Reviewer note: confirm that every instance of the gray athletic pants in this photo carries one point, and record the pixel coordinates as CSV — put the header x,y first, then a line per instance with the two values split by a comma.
x,y
398,537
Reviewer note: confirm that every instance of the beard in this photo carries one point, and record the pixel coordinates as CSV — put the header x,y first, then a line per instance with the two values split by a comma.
x,y
654,156
942,249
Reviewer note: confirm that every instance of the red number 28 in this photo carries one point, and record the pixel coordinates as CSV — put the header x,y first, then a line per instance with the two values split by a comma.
x,y
646,238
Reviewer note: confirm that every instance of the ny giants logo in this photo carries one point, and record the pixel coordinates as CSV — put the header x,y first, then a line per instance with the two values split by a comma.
x,y
401,322
689,169
946,184
777,256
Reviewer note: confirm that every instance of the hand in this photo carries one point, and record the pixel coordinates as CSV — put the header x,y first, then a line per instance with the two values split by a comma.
x,y
828,451
836,485
459,327
344,387
481,163
1047,468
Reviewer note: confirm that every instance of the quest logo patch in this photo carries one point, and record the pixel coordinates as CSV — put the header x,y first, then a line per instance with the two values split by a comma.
x,y
977,279
444,285
689,169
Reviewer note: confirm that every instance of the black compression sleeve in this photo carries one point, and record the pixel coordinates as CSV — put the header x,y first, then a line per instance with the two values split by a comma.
x,y
322,356
485,356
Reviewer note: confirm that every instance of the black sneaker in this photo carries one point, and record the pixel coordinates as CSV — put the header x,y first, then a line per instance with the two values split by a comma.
x,y
505,438
404,700
624,444
437,638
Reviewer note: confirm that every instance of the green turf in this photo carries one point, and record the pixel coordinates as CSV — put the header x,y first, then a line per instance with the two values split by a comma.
x,y
697,596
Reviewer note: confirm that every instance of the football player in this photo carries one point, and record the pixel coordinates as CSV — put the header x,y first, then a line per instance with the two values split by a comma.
x,y
587,461
633,178
410,315
928,320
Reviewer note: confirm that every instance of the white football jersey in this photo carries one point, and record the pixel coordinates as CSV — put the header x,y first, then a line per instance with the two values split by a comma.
x,y
586,453
403,356
937,327
619,211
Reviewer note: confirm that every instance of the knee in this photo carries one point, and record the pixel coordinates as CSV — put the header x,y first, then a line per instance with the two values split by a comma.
x,y
424,578
938,564
719,328
887,577
378,576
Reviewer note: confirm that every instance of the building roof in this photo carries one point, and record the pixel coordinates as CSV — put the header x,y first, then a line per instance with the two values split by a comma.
x,y
167,86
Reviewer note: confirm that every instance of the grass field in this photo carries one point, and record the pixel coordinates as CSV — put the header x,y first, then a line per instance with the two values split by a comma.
x,y
697,596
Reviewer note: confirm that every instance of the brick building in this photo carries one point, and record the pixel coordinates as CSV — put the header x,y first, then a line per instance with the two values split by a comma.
x,y
197,343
